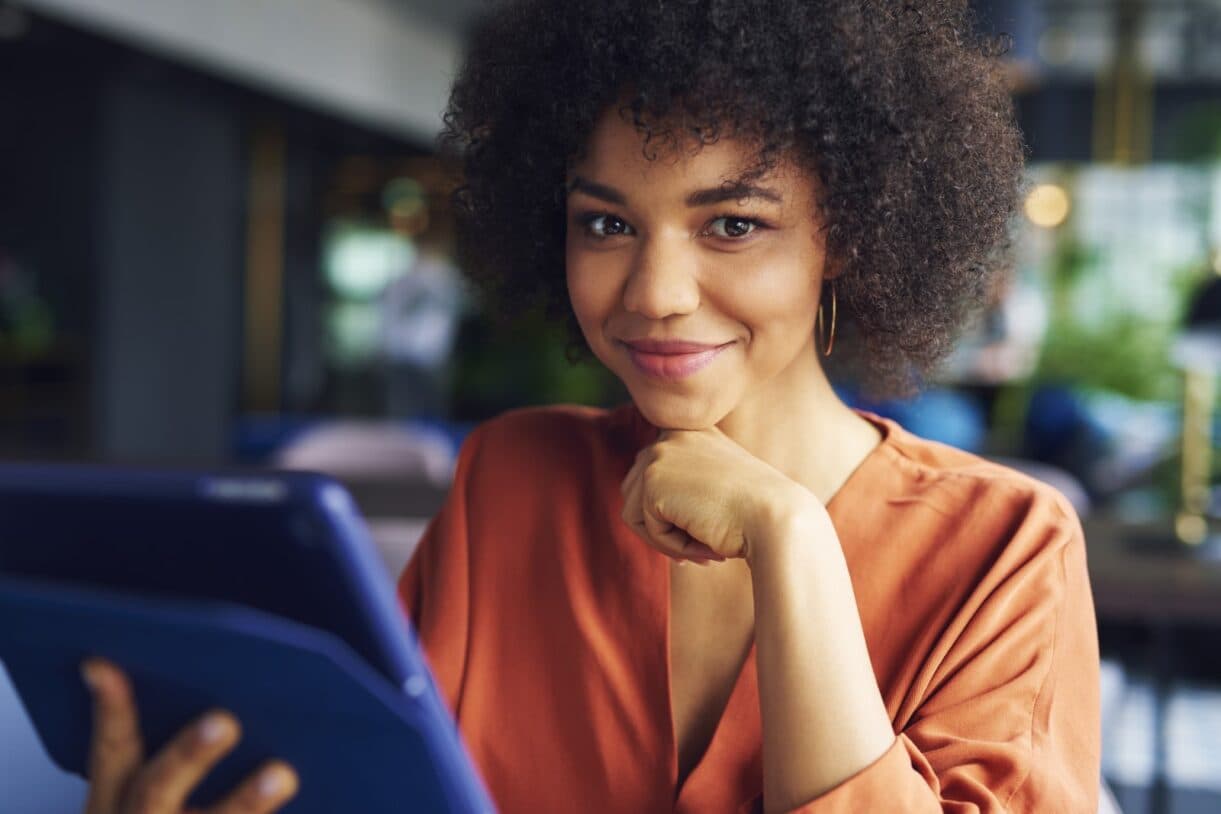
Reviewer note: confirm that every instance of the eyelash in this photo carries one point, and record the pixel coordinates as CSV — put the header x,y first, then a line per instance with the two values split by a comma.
x,y
587,219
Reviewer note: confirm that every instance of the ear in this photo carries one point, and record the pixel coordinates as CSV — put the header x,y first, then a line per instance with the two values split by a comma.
x,y
832,268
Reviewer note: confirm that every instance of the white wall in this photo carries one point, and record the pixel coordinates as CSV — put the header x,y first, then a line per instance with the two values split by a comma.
x,y
354,58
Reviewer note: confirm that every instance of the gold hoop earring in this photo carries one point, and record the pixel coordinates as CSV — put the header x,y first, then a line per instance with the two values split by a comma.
x,y
829,341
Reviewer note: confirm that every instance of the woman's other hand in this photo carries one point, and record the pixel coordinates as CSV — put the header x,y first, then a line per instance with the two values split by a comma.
x,y
123,781
697,495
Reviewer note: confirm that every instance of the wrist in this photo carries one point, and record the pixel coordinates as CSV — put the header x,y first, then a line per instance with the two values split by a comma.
x,y
784,526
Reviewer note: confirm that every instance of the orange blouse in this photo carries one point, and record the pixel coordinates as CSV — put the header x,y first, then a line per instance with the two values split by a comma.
x,y
546,623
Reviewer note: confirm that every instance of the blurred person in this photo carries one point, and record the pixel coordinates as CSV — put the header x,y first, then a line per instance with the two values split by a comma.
x,y
880,623
419,313
420,309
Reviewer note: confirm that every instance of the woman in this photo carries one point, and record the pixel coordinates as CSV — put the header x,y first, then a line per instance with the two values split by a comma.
x,y
725,197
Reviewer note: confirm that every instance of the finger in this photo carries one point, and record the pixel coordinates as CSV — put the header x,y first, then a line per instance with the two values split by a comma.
x,y
635,517
631,506
633,475
664,535
176,770
266,790
658,533
694,549
676,541
116,748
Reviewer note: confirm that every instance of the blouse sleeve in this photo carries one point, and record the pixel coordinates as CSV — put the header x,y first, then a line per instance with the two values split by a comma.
x,y
434,587
1010,720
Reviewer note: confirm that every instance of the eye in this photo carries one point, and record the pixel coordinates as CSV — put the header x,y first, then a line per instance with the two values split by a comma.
x,y
732,227
605,225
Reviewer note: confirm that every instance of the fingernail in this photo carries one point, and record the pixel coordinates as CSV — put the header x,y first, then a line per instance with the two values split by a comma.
x,y
213,730
272,783
90,676
680,562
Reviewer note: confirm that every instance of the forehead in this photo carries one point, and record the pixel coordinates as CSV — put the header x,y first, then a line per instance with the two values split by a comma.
x,y
618,153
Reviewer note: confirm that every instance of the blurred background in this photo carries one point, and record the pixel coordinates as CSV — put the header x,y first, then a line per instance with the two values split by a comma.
x,y
224,240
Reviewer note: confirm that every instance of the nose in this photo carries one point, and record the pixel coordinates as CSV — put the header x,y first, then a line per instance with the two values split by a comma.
x,y
663,279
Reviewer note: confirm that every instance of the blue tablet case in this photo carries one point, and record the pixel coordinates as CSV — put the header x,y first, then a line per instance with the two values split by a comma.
x,y
359,742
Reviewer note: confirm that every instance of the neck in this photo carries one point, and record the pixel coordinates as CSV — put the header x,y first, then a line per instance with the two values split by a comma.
x,y
799,425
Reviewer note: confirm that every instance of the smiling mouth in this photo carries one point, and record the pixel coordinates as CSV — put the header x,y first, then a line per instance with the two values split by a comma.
x,y
670,359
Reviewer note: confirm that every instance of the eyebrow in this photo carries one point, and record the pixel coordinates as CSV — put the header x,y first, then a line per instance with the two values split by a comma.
x,y
729,191
733,191
596,190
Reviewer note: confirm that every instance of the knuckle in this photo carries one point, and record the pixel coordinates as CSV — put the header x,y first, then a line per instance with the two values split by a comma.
x,y
657,509
649,476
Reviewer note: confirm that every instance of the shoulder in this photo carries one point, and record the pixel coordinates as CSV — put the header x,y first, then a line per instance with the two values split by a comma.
x,y
972,545
981,503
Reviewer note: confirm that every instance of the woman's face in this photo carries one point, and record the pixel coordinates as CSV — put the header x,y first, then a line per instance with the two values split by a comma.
x,y
696,284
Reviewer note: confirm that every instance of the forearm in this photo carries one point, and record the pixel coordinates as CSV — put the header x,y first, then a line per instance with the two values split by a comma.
x,y
823,716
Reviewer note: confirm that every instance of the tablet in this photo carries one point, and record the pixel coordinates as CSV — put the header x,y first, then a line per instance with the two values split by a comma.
x,y
258,592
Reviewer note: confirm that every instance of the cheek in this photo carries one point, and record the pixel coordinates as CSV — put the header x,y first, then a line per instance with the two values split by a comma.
x,y
777,301
591,292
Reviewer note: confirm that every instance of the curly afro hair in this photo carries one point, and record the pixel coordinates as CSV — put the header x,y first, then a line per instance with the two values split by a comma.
x,y
898,109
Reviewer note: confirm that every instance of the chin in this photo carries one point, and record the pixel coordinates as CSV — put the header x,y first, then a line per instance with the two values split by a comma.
x,y
673,411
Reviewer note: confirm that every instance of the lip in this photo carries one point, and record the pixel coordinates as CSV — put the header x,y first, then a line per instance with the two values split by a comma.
x,y
672,359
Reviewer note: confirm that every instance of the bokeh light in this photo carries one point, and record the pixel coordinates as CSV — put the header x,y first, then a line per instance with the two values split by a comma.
x,y
1047,205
